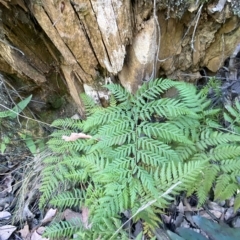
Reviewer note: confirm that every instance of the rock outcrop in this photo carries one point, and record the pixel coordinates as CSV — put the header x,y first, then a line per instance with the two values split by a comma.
x,y
56,46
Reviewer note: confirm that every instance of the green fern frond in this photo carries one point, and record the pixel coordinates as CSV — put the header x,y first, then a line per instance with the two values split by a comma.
x,y
121,94
58,134
62,229
228,192
190,173
52,159
237,105
109,205
89,104
232,111
79,175
184,123
117,170
92,163
212,123
168,108
67,123
225,187
230,165
104,230
122,151
149,158
214,138
153,89
187,94
184,153
68,199
48,186
57,145
210,112
100,118
232,117
114,126
165,131
231,121
224,152
147,181
222,183
205,103
237,202
78,145
208,177
53,177
151,220
112,101
135,191
119,137
157,147
141,146
4,114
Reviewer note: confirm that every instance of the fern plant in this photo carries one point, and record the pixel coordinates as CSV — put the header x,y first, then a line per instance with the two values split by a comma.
x,y
140,146
11,114
232,117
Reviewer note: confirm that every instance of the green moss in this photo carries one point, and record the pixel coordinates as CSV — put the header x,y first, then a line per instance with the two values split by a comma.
x,y
56,101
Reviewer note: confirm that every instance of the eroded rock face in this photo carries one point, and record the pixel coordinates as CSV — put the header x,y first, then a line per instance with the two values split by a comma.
x,y
139,62
225,42
52,46
196,42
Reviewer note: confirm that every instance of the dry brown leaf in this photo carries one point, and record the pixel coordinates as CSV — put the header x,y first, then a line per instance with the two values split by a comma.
x,y
216,213
231,202
6,231
71,215
5,215
4,3
36,236
5,202
186,203
229,213
193,209
84,217
181,207
204,214
49,215
214,206
40,230
75,136
24,232
76,217
180,215
7,182
27,214
166,219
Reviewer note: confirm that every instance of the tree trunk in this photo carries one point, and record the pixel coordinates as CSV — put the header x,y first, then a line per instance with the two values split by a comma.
x,y
50,48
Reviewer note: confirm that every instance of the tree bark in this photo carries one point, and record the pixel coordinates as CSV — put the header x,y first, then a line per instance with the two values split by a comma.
x,y
54,47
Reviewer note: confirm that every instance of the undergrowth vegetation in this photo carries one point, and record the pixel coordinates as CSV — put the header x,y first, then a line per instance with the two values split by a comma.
x,y
136,155
11,115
